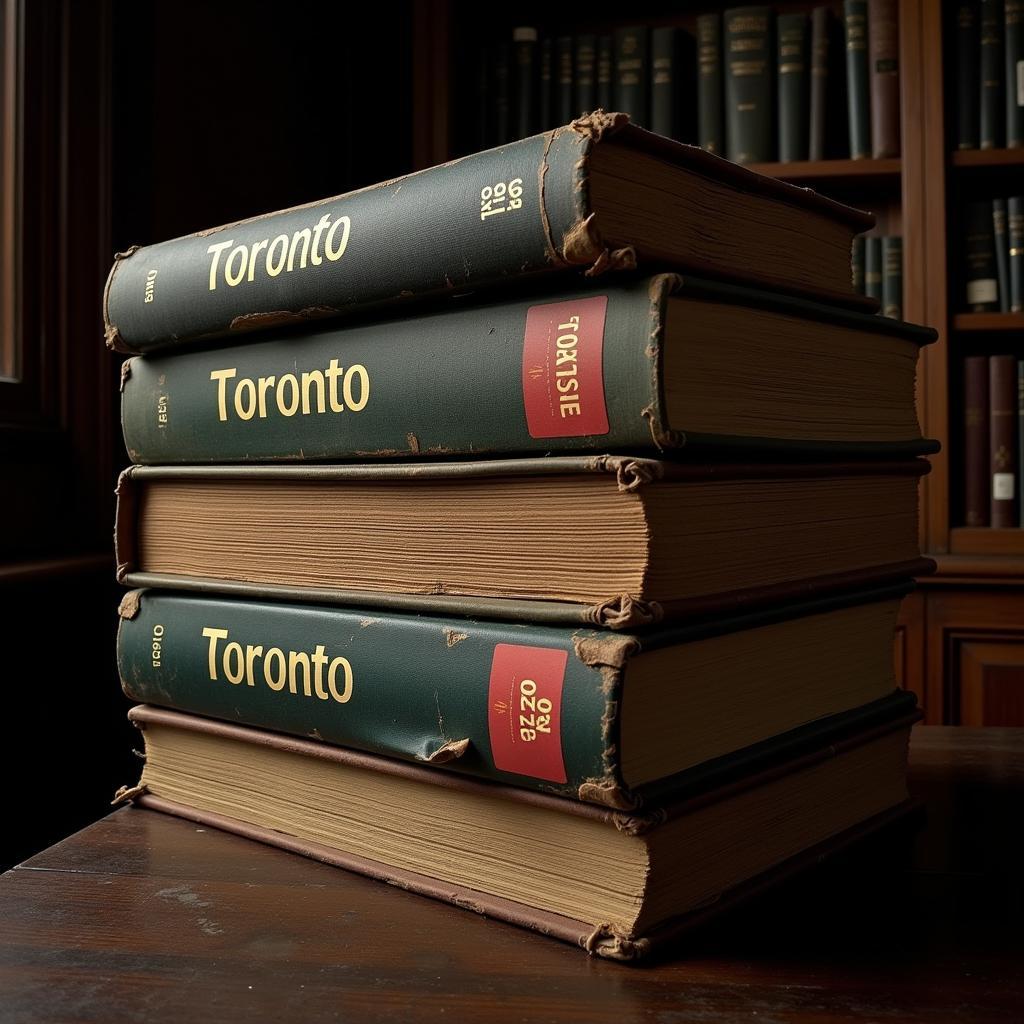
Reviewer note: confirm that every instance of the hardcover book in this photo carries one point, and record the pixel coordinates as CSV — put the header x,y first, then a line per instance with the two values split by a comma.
x,y
632,73
615,883
793,86
858,90
749,84
599,717
596,195
710,115
976,455
1002,440
993,74
657,364
967,75
884,45
611,540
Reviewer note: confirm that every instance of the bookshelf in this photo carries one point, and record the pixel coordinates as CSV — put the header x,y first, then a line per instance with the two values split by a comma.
x,y
961,641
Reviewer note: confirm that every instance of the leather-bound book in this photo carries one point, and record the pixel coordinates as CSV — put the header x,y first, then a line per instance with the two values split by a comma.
x,y
822,74
792,31
892,277
632,73
976,455
749,84
502,97
858,89
565,92
968,102
857,264
992,75
1014,42
873,267
665,68
585,74
1015,239
605,71
546,85
980,255
1001,241
1002,440
710,115
524,46
884,61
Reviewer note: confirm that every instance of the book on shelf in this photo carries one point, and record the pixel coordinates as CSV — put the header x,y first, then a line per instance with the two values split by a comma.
x,y
1015,241
822,84
524,704
632,73
605,71
616,883
501,84
613,196
710,84
1014,43
524,42
857,264
584,74
673,83
892,276
565,92
976,454
655,364
884,63
992,72
1002,439
873,267
858,84
546,85
749,84
982,275
793,90
1001,245
1020,442
968,71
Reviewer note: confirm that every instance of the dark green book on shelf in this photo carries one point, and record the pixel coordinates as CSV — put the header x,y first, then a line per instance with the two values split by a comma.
x,y
873,267
857,261
665,81
792,31
603,718
656,364
1014,43
1000,239
982,275
632,73
892,277
749,84
599,195
968,101
992,126
710,113
524,45
1015,238
605,66
858,86
565,93
585,74
546,85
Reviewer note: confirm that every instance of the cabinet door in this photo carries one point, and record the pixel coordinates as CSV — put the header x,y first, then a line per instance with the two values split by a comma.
x,y
975,658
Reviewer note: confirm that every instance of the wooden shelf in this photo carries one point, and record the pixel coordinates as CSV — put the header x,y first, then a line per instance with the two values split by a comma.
x,y
988,157
875,172
974,540
989,322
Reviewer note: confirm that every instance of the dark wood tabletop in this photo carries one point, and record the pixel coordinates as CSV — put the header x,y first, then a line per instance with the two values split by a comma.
x,y
143,917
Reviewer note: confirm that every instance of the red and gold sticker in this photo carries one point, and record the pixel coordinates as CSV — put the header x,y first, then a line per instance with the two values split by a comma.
x,y
524,710
563,368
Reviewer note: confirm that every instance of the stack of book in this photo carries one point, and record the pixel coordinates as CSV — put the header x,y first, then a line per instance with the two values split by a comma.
x,y
568,597
750,83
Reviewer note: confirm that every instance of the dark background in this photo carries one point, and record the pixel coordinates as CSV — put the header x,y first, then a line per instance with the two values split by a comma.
x,y
141,121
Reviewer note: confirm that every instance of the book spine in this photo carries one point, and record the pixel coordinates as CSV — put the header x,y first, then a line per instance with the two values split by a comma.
x,y
1015,238
546,106
565,98
605,64
793,86
873,267
361,393
1014,32
892,277
749,76
585,74
524,42
709,84
1002,247
976,458
884,48
1002,440
967,75
855,26
664,51
992,116
452,226
1020,441
980,254
484,110
820,52
857,264
502,97
506,702
632,74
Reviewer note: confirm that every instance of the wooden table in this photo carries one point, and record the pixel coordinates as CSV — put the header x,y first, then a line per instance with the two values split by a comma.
x,y
141,917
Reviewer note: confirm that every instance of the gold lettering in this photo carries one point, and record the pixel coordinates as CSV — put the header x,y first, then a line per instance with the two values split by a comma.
x,y
346,693
272,270
330,252
277,682
306,236
308,379
291,408
296,658
318,230
252,258
319,659
358,370
236,675
222,377
239,250
214,635
215,251
245,412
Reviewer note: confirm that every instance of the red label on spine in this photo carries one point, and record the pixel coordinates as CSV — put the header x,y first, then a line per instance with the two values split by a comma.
x,y
563,368
524,710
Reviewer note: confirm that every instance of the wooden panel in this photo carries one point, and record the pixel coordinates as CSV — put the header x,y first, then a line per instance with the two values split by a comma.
x,y
989,321
974,657
976,540
992,682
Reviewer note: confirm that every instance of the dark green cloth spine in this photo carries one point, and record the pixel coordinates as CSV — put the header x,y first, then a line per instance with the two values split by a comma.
x,y
632,73
664,69
565,99
1002,247
1015,237
605,66
992,75
980,252
968,102
794,86
892,277
1014,25
524,43
873,267
821,78
855,22
585,74
749,84
710,120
